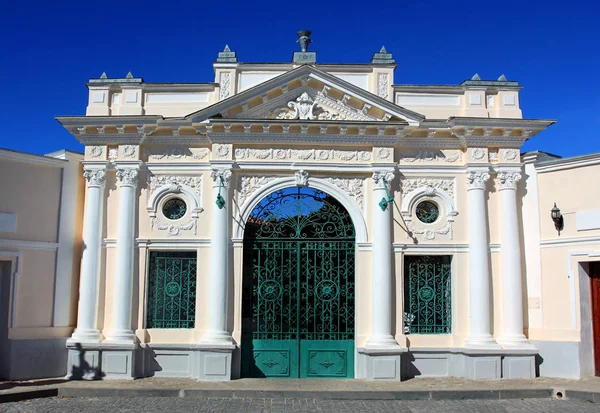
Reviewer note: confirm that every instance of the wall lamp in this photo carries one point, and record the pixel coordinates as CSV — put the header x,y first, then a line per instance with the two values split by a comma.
x,y
557,218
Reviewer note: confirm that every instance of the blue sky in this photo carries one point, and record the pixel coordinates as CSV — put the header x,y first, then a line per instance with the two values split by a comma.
x,y
50,49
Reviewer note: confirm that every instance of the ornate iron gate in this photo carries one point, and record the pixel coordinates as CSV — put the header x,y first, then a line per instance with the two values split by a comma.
x,y
298,292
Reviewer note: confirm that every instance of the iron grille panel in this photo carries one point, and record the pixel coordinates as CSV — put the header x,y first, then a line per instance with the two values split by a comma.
x,y
427,295
171,290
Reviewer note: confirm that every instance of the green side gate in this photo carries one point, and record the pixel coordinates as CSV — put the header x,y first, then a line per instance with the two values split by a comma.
x,y
298,288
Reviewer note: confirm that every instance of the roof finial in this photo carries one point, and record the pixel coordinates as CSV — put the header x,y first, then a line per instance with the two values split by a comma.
x,y
382,50
103,76
382,57
227,49
304,39
226,56
129,75
502,78
476,77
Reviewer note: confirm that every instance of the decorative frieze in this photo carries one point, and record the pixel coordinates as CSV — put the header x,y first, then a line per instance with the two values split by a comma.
x,y
250,184
478,154
95,177
383,154
430,233
354,187
174,229
428,155
411,184
302,155
175,183
510,155
95,151
477,179
177,153
507,180
127,151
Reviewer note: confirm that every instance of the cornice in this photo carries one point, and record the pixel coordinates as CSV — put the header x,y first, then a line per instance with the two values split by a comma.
x,y
9,155
385,140
568,163
458,121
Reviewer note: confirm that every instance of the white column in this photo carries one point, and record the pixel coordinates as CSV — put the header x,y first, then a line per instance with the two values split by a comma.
x,y
479,274
381,272
123,281
219,251
87,315
510,255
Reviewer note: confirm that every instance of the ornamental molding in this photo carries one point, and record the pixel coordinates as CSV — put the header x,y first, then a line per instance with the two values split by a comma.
x,y
478,154
127,151
429,185
381,178
507,180
222,150
354,187
431,155
128,177
224,82
250,184
301,178
221,177
382,85
161,186
174,229
177,153
430,233
175,183
383,154
95,151
511,155
95,177
302,155
477,180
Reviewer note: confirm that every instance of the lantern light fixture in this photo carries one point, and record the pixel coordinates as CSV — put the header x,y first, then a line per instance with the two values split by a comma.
x,y
557,218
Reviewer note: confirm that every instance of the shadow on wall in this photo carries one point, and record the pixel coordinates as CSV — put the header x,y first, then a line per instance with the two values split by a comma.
x,y
84,371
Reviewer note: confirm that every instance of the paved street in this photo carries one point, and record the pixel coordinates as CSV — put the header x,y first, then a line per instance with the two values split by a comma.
x,y
174,405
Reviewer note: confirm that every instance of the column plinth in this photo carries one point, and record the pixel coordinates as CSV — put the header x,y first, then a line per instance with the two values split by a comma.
x,y
510,254
123,284
479,274
381,273
87,310
217,328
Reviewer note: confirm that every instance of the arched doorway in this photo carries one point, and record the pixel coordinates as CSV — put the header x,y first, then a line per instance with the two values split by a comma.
x,y
298,287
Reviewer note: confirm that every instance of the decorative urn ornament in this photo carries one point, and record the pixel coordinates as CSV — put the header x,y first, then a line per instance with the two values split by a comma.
x,y
304,39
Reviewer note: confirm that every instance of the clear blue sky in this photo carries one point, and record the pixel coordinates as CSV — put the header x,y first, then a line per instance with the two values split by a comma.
x,y
50,49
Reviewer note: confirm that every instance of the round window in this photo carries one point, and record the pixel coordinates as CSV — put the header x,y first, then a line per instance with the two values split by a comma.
x,y
174,208
427,212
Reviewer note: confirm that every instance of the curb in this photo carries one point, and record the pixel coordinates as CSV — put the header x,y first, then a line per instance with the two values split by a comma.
x,y
27,395
586,396
308,394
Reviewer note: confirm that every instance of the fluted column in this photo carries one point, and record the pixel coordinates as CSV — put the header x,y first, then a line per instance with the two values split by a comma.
x,y
219,247
510,256
93,218
123,282
479,274
381,272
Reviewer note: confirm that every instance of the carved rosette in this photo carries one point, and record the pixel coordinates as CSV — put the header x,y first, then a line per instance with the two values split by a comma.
x,y
507,180
95,177
383,178
477,180
221,177
301,178
127,177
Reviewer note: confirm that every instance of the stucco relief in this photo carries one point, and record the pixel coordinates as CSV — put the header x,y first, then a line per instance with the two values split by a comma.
x,y
175,183
430,233
507,180
383,154
382,85
301,178
177,153
95,177
128,177
428,155
95,151
175,229
127,151
222,151
511,155
478,154
250,184
224,82
411,184
493,155
301,154
477,180
354,187
113,154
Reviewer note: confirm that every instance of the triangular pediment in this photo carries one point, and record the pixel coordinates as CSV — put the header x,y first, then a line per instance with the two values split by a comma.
x,y
307,93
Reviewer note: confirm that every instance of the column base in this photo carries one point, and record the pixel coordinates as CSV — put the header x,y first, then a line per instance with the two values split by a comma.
x,y
85,336
217,338
382,342
518,341
121,336
380,364
482,342
101,361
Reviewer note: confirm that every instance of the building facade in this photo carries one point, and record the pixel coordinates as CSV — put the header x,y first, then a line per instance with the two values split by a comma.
x,y
312,220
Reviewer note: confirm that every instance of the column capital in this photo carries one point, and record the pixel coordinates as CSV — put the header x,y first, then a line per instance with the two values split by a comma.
x,y
221,175
507,180
128,176
383,179
477,179
94,177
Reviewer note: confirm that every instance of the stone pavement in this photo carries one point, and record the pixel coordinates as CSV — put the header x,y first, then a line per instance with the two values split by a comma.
x,y
251,405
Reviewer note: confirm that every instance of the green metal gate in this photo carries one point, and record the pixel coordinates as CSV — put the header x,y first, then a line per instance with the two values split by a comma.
x,y
298,290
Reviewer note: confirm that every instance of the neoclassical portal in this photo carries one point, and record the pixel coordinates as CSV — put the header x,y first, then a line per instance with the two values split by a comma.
x,y
302,220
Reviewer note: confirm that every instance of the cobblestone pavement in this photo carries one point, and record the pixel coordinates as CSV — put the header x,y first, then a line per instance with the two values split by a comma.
x,y
174,405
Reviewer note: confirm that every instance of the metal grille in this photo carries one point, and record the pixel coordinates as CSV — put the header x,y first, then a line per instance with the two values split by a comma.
x,y
171,290
427,295
299,268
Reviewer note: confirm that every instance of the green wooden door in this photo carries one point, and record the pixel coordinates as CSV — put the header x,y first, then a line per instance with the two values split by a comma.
x,y
298,292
